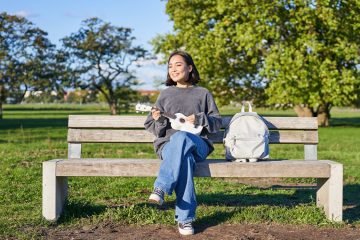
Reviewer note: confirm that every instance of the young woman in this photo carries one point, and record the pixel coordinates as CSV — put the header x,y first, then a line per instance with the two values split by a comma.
x,y
179,149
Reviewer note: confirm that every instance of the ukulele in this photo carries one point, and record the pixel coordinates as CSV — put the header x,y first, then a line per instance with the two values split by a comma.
x,y
177,120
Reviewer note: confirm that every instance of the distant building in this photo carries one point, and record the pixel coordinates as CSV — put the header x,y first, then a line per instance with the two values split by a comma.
x,y
38,93
148,92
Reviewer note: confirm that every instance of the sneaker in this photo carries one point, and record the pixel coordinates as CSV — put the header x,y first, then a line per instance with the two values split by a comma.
x,y
253,160
157,196
186,228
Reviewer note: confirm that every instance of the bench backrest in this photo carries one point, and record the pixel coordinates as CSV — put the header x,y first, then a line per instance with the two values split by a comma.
x,y
130,129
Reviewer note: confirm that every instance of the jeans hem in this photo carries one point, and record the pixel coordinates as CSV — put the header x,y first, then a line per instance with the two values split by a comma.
x,y
164,189
186,221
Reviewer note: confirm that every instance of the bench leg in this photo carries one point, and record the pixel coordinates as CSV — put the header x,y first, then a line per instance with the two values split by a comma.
x,y
54,191
329,195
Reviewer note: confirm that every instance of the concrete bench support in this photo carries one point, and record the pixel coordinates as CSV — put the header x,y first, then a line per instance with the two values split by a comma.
x,y
329,195
310,151
54,191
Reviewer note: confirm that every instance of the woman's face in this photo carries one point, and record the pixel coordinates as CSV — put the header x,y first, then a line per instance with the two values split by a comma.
x,y
178,69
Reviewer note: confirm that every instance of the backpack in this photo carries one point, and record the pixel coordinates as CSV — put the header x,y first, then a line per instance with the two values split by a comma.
x,y
246,137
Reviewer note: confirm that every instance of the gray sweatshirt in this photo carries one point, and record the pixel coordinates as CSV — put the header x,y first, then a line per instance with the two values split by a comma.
x,y
194,100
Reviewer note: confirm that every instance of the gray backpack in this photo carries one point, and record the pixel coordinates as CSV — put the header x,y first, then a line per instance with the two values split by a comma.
x,y
246,137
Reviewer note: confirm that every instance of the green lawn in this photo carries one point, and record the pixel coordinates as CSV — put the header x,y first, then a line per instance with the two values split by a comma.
x,y
31,134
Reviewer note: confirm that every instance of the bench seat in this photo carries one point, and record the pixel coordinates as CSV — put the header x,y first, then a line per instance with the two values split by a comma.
x,y
210,168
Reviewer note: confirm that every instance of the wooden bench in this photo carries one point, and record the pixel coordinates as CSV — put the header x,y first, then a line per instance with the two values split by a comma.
x,y
130,129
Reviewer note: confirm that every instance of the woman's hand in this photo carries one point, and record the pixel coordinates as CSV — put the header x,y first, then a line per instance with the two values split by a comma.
x,y
191,119
155,113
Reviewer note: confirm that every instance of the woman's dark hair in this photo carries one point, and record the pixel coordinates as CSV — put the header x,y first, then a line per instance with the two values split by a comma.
x,y
194,76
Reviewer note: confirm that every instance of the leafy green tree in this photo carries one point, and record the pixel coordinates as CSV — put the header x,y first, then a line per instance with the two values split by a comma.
x,y
213,32
315,66
292,53
100,56
24,52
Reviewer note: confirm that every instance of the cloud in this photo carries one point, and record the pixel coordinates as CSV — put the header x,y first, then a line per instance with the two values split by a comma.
x,y
150,73
150,62
147,75
146,62
26,14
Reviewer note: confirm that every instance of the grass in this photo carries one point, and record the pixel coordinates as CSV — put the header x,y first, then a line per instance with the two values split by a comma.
x,y
31,134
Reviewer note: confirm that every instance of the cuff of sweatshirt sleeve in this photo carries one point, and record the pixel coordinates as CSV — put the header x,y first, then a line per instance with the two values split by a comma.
x,y
199,119
161,119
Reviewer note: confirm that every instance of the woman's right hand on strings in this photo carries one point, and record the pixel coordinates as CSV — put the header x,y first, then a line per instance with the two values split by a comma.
x,y
155,113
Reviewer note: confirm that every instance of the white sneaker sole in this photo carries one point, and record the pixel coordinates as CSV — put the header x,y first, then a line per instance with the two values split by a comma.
x,y
186,232
156,198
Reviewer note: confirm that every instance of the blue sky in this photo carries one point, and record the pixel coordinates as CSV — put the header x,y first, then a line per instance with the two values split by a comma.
x,y
147,18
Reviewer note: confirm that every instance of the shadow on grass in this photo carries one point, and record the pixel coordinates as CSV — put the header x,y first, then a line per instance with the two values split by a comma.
x,y
224,199
45,109
213,220
352,203
75,210
302,195
345,122
50,121
33,123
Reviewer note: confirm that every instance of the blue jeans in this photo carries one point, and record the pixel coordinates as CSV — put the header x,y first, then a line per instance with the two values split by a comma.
x,y
176,171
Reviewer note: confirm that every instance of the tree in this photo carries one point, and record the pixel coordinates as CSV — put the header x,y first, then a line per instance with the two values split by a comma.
x,y
100,55
299,53
315,67
227,57
24,51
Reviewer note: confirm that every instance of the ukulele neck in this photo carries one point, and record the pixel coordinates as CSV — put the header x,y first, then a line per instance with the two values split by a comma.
x,y
169,115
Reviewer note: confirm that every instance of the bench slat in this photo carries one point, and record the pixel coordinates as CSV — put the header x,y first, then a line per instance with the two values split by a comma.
x,y
143,136
209,168
103,121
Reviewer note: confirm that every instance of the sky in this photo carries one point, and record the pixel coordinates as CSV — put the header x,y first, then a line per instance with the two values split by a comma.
x,y
147,19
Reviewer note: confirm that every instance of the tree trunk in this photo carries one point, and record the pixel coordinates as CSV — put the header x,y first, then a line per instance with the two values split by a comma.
x,y
323,115
110,98
1,109
23,96
303,111
2,98
113,107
